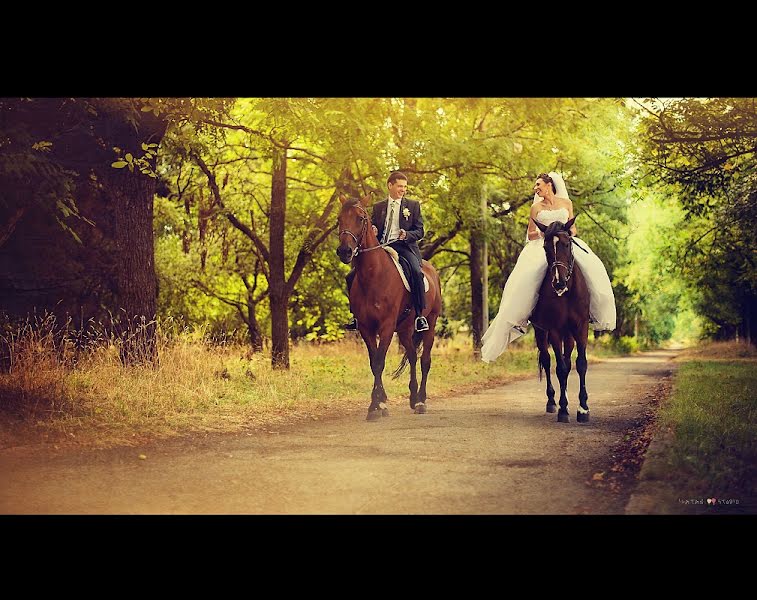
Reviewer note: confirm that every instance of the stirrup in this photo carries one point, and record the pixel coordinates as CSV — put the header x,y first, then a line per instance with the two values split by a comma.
x,y
352,325
421,324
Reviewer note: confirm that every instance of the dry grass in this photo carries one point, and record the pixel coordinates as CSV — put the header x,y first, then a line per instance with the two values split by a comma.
x,y
724,351
60,389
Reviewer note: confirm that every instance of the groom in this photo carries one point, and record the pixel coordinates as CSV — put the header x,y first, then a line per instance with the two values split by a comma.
x,y
398,222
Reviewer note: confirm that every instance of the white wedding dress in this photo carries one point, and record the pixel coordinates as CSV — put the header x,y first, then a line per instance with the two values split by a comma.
x,y
522,291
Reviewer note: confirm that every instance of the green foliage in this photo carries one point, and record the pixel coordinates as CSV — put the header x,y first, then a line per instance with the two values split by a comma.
x,y
455,152
35,170
665,195
319,305
446,329
654,289
701,152
703,145
51,148
689,326
178,294
612,346
142,163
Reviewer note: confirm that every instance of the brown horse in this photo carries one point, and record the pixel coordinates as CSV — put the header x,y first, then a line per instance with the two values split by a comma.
x,y
561,317
382,305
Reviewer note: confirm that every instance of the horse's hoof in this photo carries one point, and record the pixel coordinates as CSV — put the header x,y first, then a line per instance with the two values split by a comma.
x,y
551,408
420,408
563,418
582,417
374,415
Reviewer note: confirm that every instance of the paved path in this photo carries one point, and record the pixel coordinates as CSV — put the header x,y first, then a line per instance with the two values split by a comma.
x,y
493,452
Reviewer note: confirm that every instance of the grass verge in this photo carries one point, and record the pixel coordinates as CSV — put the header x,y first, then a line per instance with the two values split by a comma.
x,y
711,418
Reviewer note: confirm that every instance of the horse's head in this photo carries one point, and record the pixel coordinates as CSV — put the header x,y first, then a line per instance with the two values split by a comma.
x,y
558,245
354,223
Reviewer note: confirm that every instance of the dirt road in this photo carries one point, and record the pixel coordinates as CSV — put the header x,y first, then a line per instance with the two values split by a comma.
x,y
494,452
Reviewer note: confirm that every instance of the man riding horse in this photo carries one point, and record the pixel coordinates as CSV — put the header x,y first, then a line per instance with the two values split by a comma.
x,y
397,222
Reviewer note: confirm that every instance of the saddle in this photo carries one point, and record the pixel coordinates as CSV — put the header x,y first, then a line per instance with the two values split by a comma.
x,y
403,267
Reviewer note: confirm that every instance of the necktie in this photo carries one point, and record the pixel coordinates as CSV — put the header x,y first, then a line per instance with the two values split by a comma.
x,y
388,224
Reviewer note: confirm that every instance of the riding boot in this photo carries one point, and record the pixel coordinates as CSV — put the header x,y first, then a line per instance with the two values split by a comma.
x,y
419,293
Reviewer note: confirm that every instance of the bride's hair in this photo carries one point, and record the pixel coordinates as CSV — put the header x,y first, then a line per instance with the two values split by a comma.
x,y
547,179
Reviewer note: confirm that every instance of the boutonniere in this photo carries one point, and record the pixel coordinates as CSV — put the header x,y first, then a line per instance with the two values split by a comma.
x,y
406,212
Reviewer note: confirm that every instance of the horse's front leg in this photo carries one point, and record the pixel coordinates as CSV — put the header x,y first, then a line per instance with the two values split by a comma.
x,y
555,340
581,366
378,406
369,337
545,363
568,344
428,343
406,339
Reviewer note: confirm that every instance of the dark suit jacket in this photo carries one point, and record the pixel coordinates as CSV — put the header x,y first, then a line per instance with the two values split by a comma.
x,y
413,223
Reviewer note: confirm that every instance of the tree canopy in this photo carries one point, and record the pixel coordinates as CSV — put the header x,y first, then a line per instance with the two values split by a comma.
x,y
229,205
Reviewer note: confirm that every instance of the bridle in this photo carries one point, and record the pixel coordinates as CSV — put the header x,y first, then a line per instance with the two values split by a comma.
x,y
557,263
364,219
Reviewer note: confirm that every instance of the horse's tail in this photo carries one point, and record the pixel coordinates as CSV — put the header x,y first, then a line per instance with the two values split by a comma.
x,y
417,339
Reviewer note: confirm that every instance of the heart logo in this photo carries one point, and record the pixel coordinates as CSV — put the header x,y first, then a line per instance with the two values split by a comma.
x,y
709,500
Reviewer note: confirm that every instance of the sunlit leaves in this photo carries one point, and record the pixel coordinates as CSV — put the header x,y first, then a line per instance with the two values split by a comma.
x,y
142,163
42,146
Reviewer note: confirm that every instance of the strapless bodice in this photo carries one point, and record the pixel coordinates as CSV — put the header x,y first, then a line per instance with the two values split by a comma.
x,y
545,217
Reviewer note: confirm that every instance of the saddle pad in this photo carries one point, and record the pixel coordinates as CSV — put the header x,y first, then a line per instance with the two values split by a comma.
x,y
395,257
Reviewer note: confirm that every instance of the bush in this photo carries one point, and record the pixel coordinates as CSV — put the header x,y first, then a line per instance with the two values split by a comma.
x,y
622,345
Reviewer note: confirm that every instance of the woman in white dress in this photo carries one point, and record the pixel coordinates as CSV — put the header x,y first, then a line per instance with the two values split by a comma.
x,y
551,203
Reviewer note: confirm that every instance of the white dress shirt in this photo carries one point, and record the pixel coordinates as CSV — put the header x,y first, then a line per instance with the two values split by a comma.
x,y
394,226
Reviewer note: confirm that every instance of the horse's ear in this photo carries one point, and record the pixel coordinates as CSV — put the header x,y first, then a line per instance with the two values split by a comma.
x,y
367,200
342,198
539,225
569,224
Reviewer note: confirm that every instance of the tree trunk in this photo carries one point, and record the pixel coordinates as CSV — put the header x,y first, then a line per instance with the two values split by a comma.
x,y
278,298
253,327
748,319
187,233
132,195
477,296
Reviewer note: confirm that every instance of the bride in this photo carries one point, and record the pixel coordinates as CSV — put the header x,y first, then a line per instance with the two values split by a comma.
x,y
551,203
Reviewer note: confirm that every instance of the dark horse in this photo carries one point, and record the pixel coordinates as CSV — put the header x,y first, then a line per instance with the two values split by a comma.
x,y
561,317
382,305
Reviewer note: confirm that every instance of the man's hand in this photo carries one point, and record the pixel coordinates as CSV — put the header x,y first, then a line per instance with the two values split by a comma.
x,y
403,234
375,229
